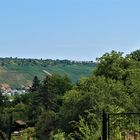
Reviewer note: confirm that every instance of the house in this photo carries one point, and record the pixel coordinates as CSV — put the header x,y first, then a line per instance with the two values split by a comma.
x,y
19,125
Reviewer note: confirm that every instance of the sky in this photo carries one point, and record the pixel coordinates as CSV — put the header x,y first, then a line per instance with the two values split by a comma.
x,y
68,29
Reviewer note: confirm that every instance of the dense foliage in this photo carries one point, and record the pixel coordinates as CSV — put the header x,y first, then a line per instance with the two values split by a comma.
x,y
60,110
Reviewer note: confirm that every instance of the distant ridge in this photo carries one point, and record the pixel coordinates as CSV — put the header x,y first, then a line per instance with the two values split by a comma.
x,y
19,72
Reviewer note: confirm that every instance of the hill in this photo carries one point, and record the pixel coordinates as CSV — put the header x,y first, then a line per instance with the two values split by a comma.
x,y
17,72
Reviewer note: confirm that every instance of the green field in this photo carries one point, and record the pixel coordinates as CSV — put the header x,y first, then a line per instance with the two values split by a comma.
x,y
17,75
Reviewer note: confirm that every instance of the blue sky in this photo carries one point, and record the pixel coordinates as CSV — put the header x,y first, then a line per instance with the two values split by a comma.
x,y
68,29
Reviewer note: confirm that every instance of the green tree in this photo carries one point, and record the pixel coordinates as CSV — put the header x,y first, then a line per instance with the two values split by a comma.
x,y
45,125
111,65
35,84
135,55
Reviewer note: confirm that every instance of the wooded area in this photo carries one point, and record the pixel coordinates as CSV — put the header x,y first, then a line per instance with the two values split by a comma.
x,y
56,109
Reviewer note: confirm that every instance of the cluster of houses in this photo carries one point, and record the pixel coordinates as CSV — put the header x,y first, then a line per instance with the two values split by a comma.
x,y
7,90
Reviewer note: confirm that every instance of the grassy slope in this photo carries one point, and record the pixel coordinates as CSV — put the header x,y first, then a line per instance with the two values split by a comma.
x,y
16,76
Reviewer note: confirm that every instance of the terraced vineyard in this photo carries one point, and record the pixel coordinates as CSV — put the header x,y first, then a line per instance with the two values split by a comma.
x,y
17,72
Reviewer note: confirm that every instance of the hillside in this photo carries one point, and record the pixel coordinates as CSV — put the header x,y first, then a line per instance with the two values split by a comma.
x,y
17,72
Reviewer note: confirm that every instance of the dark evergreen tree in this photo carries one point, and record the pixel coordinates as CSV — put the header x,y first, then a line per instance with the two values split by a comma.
x,y
36,84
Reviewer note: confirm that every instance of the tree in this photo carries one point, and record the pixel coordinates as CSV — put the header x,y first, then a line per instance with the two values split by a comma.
x,y
94,93
52,89
111,65
1,99
135,55
45,125
36,84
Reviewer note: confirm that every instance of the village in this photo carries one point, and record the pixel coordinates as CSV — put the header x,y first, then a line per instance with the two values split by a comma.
x,y
7,90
